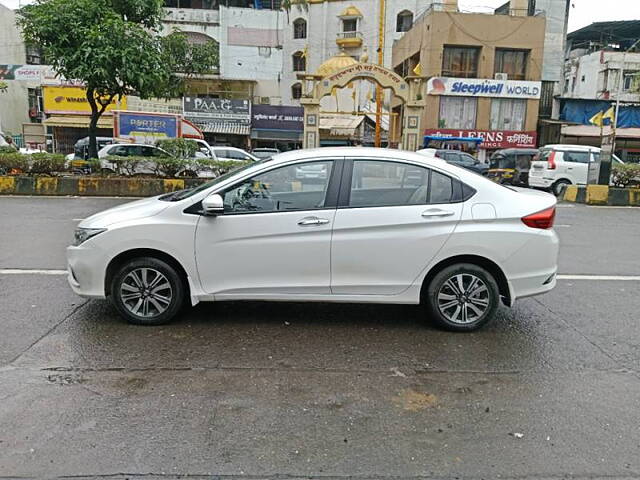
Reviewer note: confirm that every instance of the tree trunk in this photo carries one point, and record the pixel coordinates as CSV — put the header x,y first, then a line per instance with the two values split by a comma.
x,y
93,124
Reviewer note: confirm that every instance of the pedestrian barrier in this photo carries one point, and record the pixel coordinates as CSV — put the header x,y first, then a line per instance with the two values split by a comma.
x,y
93,186
601,195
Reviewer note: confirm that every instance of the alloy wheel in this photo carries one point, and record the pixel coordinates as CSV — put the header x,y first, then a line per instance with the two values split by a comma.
x,y
463,298
146,292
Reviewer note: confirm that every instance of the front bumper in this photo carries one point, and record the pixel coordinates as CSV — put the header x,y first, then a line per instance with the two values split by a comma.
x,y
86,267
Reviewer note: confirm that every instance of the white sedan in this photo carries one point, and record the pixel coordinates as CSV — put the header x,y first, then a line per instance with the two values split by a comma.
x,y
377,226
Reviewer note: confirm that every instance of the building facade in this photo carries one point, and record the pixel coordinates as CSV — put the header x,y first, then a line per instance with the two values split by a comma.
x,y
602,69
484,73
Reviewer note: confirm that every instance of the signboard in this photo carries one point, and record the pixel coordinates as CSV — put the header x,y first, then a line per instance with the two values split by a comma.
x,y
30,73
217,110
273,117
148,128
491,138
72,100
479,87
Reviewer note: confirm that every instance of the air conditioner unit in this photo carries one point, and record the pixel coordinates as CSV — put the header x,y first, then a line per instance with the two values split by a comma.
x,y
501,76
265,100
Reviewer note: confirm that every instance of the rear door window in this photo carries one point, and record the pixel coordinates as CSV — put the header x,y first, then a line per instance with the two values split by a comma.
x,y
576,157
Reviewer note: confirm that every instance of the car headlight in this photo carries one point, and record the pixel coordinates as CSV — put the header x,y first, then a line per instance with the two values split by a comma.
x,y
81,235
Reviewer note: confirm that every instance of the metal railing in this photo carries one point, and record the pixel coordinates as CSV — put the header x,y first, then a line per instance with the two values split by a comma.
x,y
349,35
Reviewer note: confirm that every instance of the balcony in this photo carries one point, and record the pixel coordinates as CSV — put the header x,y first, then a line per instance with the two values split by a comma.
x,y
192,15
349,39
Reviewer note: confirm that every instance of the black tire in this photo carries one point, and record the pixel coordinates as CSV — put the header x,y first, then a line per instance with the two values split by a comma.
x,y
558,187
440,314
151,298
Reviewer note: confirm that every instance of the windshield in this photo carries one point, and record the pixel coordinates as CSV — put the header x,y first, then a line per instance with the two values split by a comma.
x,y
263,154
182,194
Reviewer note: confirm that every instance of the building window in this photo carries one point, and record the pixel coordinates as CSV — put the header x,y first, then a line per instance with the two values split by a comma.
x,y
460,62
508,114
511,62
631,81
350,25
34,55
404,21
299,62
300,28
458,112
296,91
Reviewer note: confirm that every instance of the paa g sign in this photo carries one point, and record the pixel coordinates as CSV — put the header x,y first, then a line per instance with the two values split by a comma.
x,y
479,87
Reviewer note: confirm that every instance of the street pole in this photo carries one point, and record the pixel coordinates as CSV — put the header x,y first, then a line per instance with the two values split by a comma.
x,y
381,25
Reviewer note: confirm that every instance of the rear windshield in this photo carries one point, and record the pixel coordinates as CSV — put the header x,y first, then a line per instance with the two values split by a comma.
x,y
502,161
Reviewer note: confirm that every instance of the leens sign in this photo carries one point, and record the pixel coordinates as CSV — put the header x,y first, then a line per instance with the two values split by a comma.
x,y
491,138
480,87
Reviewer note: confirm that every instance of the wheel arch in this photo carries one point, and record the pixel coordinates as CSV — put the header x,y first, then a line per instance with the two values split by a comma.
x,y
489,265
122,257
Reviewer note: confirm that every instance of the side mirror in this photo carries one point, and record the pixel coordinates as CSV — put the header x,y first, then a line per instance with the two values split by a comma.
x,y
213,205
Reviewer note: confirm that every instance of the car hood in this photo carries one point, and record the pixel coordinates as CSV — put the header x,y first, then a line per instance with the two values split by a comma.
x,y
124,213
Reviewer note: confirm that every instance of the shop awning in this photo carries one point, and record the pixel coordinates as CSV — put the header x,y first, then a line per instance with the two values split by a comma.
x,y
340,125
77,121
223,127
593,131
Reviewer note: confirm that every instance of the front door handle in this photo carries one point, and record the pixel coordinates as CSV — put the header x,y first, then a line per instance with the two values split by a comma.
x,y
436,213
312,221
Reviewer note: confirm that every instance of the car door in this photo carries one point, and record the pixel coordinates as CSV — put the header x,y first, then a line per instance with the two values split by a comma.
x,y
576,166
274,237
392,219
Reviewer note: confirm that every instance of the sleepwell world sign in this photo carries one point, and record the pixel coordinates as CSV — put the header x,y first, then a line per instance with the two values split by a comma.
x,y
480,87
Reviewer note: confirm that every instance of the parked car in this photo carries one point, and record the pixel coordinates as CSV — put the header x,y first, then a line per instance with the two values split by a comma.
x,y
233,154
511,166
560,165
264,153
385,226
130,150
458,158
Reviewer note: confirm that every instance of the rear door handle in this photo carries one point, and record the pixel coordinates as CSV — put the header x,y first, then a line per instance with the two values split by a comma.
x,y
312,221
436,213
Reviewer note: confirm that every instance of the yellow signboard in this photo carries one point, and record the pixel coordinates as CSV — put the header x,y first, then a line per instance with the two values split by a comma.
x,y
73,100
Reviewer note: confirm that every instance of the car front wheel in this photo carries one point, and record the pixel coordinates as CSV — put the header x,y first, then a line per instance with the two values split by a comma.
x,y
462,297
147,291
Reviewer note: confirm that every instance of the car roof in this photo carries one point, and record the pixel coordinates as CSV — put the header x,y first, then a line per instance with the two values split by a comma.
x,y
357,152
567,147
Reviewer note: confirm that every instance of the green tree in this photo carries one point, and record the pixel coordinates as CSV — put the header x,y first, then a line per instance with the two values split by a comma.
x,y
115,48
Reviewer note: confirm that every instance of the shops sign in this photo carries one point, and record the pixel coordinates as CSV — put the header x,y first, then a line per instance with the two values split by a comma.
x,y
479,87
491,139
276,117
217,110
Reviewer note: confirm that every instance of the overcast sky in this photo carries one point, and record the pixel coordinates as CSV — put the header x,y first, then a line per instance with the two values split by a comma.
x,y
583,12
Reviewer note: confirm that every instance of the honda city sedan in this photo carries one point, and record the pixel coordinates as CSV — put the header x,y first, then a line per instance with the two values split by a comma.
x,y
369,226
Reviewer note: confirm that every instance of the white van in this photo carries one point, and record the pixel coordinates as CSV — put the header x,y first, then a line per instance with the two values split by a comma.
x,y
561,165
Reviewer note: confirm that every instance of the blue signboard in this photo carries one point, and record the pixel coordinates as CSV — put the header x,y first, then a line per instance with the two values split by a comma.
x,y
146,127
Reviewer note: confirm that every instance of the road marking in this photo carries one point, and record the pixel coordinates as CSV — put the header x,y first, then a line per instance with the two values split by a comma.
x,y
562,205
77,219
26,271
620,278
562,226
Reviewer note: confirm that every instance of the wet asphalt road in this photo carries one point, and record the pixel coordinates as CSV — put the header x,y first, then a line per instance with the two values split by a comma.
x,y
255,390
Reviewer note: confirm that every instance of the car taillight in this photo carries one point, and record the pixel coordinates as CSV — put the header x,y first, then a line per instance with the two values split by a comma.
x,y
543,219
551,161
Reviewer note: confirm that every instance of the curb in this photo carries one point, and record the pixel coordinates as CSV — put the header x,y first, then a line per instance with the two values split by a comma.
x,y
93,186
601,195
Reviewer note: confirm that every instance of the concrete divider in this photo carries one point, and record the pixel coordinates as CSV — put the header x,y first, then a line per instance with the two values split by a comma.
x,y
602,195
93,186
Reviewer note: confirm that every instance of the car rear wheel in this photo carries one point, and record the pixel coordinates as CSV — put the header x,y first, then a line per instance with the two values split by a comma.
x,y
147,291
462,297
559,187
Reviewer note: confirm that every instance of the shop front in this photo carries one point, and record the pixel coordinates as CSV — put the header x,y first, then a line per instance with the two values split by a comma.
x,y
277,126
69,114
492,140
222,121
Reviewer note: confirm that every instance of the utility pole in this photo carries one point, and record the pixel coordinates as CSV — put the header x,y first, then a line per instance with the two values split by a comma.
x,y
381,26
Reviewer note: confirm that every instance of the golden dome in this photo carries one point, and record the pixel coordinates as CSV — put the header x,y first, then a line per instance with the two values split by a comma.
x,y
335,63
351,12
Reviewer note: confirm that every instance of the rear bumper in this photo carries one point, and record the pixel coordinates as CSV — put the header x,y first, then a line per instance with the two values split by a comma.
x,y
540,182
